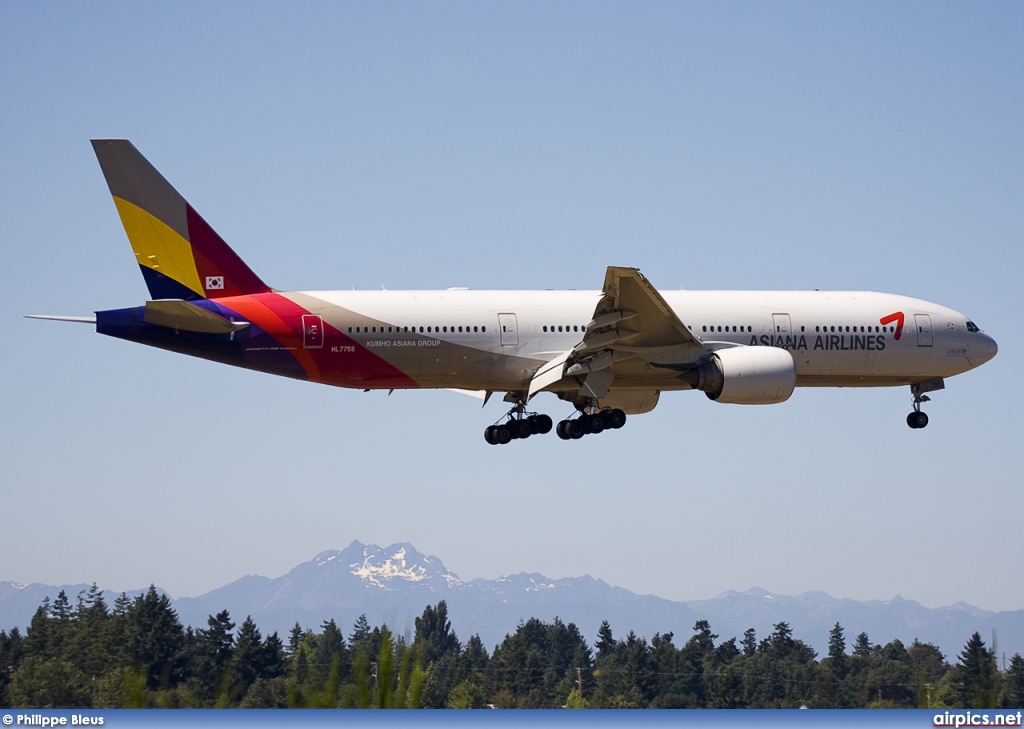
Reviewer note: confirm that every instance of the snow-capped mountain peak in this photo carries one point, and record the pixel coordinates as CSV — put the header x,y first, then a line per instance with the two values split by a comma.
x,y
395,567
390,567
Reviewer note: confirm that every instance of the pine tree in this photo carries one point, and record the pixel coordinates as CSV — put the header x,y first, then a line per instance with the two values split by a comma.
x,y
360,637
862,647
676,673
154,639
89,647
1013,683
605,641
331,659
780,642
978,684
213,653
434,636
294,638
115,629
38,641
11,651
749,642
274,660
838,663
248,660
835,670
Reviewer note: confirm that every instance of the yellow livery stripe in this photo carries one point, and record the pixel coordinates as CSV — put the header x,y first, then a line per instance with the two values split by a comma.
x,y
158,246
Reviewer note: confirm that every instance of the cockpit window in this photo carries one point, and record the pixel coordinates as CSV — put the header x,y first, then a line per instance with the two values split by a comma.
x,y
972,327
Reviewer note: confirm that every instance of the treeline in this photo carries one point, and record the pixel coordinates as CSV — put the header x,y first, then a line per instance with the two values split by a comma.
x,y
137,654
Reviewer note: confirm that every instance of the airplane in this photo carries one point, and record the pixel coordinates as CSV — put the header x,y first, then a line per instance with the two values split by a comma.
x,y
609,353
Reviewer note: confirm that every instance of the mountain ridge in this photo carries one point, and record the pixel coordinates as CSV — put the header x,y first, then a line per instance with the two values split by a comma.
x,y
394,584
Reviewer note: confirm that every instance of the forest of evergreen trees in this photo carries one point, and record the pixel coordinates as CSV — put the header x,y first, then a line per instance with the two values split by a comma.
x,y
137,654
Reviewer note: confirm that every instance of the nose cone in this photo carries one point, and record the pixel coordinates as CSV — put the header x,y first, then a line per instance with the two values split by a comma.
x,y
983,348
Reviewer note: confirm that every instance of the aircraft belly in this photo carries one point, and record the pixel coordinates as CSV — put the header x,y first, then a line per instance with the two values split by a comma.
x,y
890,380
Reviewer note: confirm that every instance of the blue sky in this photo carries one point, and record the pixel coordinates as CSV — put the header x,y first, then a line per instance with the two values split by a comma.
x,y
521,145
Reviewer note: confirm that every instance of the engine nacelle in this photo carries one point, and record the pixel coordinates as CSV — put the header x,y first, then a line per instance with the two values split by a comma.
x,y
746,375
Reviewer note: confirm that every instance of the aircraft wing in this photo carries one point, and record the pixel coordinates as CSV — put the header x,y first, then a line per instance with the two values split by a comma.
x,y
633,335
644,317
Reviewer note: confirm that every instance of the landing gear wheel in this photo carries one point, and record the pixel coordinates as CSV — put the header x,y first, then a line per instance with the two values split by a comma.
x,y
562,431
541,424
502,434
917,419
592,423
614,418
489,435
520,428
575,429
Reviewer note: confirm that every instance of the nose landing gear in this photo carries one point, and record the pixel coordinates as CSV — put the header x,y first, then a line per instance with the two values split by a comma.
x,y
919,419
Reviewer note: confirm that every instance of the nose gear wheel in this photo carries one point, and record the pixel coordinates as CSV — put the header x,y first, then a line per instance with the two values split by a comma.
x,y
919,419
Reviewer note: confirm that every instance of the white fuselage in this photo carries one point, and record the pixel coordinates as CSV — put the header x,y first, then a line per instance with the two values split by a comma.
x,y
836,338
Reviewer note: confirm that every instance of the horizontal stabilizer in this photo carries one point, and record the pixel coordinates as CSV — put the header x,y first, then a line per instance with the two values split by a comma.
x,y
75,319
188,317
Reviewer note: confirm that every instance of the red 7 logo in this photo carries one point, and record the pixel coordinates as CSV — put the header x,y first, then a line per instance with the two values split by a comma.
x,y
894,317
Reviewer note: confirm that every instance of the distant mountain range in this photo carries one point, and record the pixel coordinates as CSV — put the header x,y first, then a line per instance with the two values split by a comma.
x,y
392,585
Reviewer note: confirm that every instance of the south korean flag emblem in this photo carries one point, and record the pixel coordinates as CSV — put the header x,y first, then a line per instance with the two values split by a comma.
x,y
214,283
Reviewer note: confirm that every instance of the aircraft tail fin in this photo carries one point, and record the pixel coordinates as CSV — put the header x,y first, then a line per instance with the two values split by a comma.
x,y
180,255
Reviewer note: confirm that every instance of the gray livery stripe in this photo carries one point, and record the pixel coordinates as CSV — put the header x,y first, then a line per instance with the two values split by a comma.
x,y
132,178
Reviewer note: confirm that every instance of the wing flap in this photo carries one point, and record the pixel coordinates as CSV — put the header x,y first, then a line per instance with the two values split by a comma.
x,y
649,320
634,333
548,374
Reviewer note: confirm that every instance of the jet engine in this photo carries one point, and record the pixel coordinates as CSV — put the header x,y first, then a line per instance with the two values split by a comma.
x,y
746,375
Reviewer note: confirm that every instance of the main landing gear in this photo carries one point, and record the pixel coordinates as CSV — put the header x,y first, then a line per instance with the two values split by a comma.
x,y
588,423
517,427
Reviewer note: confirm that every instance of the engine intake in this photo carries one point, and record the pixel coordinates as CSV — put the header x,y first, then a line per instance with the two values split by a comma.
x,y
746,375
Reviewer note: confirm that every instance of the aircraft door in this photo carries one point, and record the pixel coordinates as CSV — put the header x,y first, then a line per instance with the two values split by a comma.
x,y
924,330
509,330
312,331
783,328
